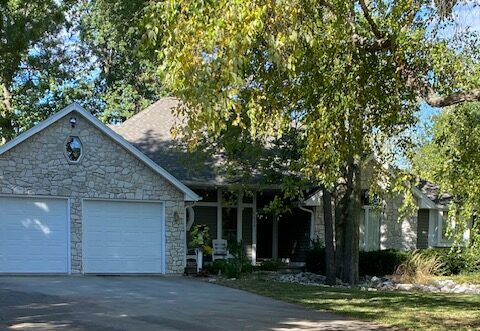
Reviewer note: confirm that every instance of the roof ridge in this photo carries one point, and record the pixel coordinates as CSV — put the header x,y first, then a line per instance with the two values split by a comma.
x,y
146,111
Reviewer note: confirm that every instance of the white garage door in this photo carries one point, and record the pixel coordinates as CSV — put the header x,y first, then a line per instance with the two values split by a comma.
x,y
34,235
122,237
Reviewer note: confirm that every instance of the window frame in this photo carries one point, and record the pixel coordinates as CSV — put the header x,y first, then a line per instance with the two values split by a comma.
x,y
65,152
366,227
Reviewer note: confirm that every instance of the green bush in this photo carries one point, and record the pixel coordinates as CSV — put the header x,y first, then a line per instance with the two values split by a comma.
x,y
315,260
378,263
381,263
234,266
217,267
465,260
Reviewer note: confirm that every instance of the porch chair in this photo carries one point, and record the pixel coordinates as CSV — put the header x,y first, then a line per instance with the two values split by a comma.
x,y
220,250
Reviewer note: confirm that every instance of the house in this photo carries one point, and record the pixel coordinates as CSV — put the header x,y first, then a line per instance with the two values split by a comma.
x,y
240,217
77,196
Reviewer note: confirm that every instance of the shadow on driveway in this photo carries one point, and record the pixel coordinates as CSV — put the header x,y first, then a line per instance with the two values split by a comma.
x,y
150,303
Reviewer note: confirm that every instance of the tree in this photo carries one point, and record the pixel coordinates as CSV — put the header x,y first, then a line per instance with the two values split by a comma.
x,y
124,75
450,159
350,73
31,60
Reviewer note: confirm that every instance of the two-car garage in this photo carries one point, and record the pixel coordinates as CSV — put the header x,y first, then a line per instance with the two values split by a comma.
x,y
118,236
75,197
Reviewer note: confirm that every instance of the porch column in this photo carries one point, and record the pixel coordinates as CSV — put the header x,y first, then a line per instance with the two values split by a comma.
x,y
254,228
275,238
219,213
239,217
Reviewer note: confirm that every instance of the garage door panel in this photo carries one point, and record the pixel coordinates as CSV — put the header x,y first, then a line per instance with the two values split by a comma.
x,y
34,235
122,237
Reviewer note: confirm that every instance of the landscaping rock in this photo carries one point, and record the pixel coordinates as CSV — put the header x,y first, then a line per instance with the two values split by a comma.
x,y
373,284
405,287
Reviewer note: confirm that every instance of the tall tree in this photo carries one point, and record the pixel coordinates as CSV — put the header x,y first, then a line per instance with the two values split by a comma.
x,y
30,61
350,72
125,77
450,158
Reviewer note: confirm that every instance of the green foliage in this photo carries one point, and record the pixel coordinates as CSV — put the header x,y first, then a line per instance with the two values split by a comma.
x,y
239,262
450,159
200,235
263,66
234,266
315,257
419,268
316,86
381,263
126,79
375,263
35,62
217,267
464,260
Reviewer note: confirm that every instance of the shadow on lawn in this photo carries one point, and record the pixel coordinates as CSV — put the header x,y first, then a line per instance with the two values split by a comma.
x,y
410,310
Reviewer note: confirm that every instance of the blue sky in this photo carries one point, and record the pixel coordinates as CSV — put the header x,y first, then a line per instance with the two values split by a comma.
x,y
466,15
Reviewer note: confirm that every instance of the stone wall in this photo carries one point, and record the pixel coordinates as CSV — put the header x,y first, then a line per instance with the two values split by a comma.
x,y
38,166
394,232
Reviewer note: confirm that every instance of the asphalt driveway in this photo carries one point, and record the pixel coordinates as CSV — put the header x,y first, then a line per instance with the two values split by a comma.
x,y
149,303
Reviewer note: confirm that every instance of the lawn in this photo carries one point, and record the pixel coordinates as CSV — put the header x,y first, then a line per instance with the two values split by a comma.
x,y
405,310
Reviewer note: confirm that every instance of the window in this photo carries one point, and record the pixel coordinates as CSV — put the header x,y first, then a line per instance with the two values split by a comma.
x,y
370,229
73,149
445,236
229,224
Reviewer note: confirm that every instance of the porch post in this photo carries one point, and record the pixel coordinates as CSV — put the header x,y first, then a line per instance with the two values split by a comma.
x,y
219,213
239,217
275,238
254,228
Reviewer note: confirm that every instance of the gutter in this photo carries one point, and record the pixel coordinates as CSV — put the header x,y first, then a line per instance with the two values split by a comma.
x,y
312,220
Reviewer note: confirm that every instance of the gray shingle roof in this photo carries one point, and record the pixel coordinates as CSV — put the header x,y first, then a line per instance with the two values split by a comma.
x,y
150,132
433,192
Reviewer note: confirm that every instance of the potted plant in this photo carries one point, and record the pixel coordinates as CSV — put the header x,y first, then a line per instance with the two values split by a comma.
x,y
200,236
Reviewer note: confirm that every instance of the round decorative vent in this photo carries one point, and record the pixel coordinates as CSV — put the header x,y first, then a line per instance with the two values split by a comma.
x,y
73,149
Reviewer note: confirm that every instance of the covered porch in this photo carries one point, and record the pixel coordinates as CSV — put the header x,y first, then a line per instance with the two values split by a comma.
x,y
241,217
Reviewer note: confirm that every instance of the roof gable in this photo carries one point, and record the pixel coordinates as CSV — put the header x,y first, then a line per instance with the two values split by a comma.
x,y
75,107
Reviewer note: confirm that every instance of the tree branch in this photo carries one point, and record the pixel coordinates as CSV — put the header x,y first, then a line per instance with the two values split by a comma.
x,y
371,22
435,100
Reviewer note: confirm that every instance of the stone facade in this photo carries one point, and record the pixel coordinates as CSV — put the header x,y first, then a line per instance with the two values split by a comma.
x,y
38,166
395,233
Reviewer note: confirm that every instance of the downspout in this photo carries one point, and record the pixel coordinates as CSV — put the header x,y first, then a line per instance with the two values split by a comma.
x,y
187,225
312,221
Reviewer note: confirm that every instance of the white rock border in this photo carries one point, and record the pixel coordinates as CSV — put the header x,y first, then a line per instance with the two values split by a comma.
x,y
380,284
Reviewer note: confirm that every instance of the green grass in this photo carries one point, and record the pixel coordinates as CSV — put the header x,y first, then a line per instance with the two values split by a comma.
x,y
405,310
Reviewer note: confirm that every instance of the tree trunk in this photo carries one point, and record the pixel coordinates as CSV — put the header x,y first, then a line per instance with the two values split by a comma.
x,y
350,215
329,237
7,131
339,237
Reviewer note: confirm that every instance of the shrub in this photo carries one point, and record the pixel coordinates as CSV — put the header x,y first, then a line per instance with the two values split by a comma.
x,y
471,256
465,260
234,266
315,257
419,268
381,263
217,267
377,263
453,263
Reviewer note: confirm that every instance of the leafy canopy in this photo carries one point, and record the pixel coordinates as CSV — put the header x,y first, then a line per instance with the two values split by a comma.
x,y
451,160
347,75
